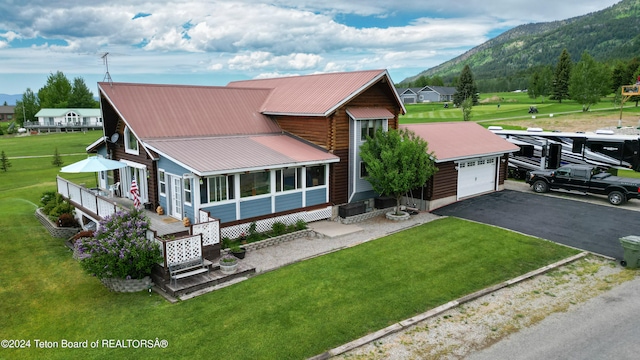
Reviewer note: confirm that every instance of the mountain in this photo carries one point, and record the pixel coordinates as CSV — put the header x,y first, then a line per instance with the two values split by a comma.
x,y
609,34
10,99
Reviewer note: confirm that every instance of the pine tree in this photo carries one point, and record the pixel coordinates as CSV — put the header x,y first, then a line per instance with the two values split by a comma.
x,y
4,162
562,76
466,87
57,160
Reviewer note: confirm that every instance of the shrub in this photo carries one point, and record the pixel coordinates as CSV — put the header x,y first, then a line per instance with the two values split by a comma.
x,y
120,248
278,228
54,205
67,220
301,225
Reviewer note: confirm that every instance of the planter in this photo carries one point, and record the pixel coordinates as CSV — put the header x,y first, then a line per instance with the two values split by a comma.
x,y
127,285
384,202
228,268
54,230
352,209
391,215
239,254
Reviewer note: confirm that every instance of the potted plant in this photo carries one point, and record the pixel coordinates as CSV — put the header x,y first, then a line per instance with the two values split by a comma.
x,y
228,264
237,251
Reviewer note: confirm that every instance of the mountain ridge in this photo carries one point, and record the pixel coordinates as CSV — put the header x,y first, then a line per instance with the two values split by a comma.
x,y
608,34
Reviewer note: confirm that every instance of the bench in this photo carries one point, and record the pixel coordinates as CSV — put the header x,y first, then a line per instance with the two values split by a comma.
x,y
188,268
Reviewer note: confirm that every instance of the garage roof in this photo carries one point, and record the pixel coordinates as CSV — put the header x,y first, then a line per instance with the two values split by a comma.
x,y
451,141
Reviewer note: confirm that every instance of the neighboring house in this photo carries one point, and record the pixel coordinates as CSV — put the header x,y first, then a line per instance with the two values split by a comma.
x,y
62,119
409,95
247,151
426,94
7,113
471,160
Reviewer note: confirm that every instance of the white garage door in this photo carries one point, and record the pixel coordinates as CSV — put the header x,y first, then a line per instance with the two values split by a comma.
x,y
476,177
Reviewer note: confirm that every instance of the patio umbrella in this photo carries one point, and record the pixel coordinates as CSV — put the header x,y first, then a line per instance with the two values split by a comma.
x,y
93,164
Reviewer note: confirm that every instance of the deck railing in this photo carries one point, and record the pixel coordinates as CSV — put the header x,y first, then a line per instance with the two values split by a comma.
x,y
88,199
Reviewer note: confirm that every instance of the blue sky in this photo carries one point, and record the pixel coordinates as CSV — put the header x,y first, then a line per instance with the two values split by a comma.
x,y
206,42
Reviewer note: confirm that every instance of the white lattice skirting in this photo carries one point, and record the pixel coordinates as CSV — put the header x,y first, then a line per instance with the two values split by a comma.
x,y
233,232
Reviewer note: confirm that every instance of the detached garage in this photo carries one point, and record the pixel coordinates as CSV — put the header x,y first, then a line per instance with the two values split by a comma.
x,y
471,160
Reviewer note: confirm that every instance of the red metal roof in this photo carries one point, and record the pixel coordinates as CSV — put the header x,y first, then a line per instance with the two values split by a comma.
x,y
368,113
458,140
156,111
315,95
220,155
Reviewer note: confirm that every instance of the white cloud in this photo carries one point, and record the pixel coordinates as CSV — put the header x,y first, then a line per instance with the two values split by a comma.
x,y
249,37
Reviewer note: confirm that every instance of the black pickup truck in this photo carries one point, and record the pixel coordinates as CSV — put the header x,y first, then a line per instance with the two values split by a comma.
x,y
587,179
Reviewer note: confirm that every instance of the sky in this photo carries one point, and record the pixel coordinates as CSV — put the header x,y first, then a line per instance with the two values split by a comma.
x,y
211,42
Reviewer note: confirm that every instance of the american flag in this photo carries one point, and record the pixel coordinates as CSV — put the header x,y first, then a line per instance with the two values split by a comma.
x,y
135,193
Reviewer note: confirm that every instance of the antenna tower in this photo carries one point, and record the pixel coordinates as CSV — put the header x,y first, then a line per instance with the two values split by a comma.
x,y
105,60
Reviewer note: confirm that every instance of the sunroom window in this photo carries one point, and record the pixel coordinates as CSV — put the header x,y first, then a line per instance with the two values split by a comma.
x,y
288,179
315,176
216,188
253,184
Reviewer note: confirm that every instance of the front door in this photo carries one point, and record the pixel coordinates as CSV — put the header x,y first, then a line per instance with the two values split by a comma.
x,y
176,197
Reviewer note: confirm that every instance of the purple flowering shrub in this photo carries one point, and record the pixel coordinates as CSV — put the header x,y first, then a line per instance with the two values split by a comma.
x,y
119,247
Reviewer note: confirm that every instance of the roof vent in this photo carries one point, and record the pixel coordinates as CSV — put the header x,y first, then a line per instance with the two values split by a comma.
x,y
534,129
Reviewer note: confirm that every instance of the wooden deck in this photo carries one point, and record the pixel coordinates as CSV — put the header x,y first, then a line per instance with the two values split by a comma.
x,y
192,284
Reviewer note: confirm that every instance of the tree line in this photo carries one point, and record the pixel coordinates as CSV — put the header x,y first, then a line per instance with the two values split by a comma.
x,y
57,93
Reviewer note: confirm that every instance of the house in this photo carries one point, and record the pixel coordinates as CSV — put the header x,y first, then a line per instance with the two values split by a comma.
x,y
249,150
471,160
65,120
426,94
7,112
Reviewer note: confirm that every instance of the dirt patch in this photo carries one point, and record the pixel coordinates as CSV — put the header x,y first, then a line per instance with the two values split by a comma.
x,y
488,319
577,122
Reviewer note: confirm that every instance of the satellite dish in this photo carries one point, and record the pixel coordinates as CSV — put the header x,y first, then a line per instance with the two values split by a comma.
x,y
115,137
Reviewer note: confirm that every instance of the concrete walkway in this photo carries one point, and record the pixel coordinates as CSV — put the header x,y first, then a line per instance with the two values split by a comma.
x,y
331,236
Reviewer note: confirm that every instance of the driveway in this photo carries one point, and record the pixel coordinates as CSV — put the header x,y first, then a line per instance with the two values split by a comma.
x,y
563,218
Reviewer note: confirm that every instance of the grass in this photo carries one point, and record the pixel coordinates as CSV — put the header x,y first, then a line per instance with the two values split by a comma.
x,y
513,106
295,312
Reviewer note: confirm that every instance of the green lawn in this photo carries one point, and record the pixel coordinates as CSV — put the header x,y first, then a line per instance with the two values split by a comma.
x,y
292,313
512,106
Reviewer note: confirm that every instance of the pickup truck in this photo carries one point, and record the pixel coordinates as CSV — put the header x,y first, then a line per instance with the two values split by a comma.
x,y
586,179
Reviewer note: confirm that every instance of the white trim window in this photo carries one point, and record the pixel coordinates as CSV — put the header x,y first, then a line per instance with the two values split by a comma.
x,y
255,183
186,186
130,142
162,182
217,189
316,176
288,179
368,128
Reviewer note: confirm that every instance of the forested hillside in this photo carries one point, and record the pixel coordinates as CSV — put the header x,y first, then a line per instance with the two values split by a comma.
x,y
507,61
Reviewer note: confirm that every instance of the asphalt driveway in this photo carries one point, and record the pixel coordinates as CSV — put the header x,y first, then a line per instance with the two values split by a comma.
x,y
587,226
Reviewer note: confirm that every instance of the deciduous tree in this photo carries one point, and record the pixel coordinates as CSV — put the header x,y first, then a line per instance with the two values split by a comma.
x,y
27,108
396,162
589,81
